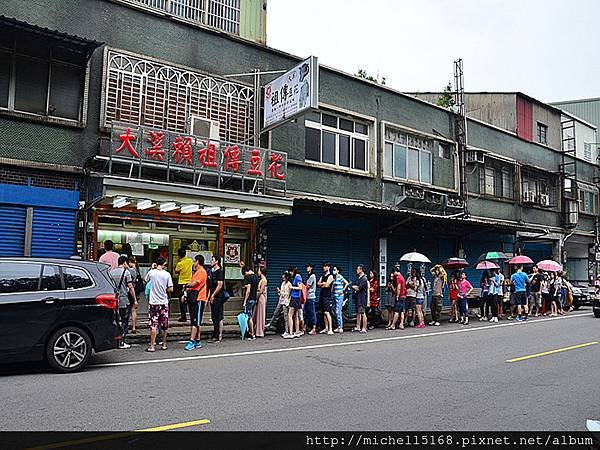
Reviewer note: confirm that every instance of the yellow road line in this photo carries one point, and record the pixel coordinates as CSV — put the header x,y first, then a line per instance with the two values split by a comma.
x,y
112,436
551,352
176,426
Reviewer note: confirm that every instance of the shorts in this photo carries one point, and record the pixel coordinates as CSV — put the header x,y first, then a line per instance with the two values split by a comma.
x,y
216,310
419,301
360,309
328,304
250,304
196,310
158,315
295,303
400,306
520,298
410,303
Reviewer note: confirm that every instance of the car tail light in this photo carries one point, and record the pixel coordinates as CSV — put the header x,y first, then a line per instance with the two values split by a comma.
x,y
107,300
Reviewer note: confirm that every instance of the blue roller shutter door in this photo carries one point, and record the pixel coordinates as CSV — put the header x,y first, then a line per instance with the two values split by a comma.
x,y
53,233
12,230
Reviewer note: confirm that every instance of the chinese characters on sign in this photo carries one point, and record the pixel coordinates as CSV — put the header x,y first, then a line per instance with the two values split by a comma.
x,y
292,93
177,150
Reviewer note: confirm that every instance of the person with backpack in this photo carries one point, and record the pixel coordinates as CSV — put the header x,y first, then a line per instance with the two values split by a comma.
x,y
139,286
126,294
339,286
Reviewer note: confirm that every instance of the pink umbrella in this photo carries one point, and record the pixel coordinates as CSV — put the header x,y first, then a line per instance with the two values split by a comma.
x,y
521,259
548,265
487,265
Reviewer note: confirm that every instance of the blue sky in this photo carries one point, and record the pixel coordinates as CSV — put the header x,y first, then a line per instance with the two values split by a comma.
x,y
548,49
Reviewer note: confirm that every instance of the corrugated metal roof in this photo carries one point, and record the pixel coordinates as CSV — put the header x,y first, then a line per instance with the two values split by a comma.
x,y
89,44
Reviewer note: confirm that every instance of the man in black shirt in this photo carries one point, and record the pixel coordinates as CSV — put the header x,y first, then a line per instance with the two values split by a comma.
x,y
361,287
251,281
535,283
217,298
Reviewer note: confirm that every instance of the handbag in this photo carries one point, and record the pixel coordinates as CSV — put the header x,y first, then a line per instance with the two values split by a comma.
x,y
139,285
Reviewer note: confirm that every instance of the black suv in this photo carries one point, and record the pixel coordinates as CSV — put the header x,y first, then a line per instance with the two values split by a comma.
x,y
56,310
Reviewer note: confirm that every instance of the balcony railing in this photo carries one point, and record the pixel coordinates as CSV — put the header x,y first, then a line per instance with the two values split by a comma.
x,y
221,14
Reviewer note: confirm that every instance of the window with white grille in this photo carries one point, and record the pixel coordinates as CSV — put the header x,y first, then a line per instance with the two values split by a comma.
x,y
152,94
221,14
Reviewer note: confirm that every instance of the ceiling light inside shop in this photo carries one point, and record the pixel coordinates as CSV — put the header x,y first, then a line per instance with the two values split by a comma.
x,y
168,206
119,202
230,212
210,210
188,209
249,215
144,204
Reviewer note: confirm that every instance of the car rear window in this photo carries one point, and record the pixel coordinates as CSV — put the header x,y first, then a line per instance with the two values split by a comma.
x,y
76,278
19,277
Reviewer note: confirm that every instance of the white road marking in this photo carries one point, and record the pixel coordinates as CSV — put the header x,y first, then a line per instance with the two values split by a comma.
x,y
336,344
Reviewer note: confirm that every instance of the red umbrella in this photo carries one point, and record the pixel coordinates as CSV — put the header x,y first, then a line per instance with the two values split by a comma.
x,y
521,259
548,265
455,263
487,265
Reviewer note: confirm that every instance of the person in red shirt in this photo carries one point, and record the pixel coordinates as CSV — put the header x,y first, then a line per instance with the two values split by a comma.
x,y
400,300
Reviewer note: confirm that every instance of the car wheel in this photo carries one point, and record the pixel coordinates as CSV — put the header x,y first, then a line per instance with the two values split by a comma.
x,y
68,350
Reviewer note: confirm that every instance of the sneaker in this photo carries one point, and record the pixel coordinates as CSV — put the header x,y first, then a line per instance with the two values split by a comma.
x,y
432,323
252,338
436,324
190,346
312,332
197,344
421,325
412,323
322,331
363,331
330,332
510,318
287,336
519,319
124,345
370,327
298,334
466,321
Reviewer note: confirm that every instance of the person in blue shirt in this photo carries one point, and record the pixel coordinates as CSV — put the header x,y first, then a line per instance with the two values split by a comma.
x,y
519,280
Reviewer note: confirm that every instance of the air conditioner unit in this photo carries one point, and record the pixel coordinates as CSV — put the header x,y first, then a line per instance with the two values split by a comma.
x,y
544,200
529,197
206,128
475,157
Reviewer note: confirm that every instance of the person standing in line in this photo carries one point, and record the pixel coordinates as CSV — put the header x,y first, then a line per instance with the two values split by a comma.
x,y
491,307
340,284
161,286
260,312
390,301
440,279
411,297
196,293
420,290
295,305
499,283
311,296
251,282
284,291
361,287
464,289
183,270
546,299
373,310
454,307
519,281
139,286
484,284
217,298
109,257
558,286
124,281
400,304
535,282
325,299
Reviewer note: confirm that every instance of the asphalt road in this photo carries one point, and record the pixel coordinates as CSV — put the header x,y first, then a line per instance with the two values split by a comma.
x,y
446,378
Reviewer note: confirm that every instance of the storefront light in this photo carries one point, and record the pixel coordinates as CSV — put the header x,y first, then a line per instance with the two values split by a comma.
x,y
168,206
249,215
230,212
144,204
188,209
120,202
210,210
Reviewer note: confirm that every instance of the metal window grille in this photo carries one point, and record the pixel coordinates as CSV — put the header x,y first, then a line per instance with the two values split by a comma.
x,y
221,14
152,94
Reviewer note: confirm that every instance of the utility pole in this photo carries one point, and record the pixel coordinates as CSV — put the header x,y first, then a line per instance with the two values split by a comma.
x,y
461,130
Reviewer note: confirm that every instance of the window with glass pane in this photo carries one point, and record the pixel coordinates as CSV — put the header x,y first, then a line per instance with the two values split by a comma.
x,y
66,90
412,164
388,159
425,167
328,120
361,128
489,181
76,278
312,145
344,150
507,184
5,68
360,154
31,85
19,277
51,278
346,125
328,147
399,161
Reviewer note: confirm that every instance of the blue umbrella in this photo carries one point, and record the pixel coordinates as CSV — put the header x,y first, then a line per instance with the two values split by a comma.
x,y
243,321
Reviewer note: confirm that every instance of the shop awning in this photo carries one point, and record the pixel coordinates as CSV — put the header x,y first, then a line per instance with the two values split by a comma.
x,y
162,196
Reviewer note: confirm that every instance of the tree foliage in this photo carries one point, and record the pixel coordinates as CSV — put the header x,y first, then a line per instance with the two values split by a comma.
x,y
362,73
446,98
